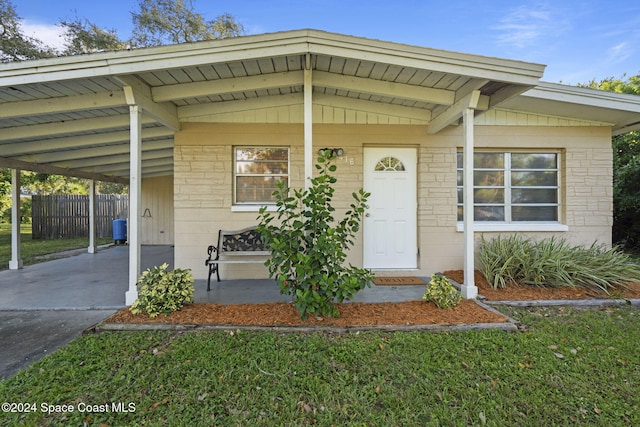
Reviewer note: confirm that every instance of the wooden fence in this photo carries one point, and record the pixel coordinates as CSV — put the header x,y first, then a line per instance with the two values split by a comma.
x,y
67,216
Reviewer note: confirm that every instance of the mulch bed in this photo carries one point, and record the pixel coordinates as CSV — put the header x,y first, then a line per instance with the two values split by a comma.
x,y
351,314
371,314
517,292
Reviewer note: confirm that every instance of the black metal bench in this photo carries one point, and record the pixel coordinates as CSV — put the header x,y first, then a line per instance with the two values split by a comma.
x,y
235,247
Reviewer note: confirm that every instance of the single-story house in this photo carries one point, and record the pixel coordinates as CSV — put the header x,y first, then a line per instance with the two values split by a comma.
x,y
202,132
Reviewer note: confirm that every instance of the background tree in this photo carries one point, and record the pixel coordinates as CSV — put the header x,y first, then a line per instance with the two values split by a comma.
x,y
156,22
626,170
160,22
14,45
82,36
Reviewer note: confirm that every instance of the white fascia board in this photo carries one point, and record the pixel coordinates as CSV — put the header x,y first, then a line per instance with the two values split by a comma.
x,y
516,72
263,46
143,60
585,96
620,111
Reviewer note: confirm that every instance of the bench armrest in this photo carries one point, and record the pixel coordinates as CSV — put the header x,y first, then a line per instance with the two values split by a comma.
x,y
210,250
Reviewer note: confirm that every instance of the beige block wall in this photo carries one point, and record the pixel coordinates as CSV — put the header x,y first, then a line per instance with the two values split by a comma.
x,y
203,182
586,187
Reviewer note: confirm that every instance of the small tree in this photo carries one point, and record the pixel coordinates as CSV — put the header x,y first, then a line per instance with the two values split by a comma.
x,y
309,248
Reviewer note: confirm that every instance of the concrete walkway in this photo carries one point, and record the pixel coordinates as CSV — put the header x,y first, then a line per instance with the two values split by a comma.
x,y
47,305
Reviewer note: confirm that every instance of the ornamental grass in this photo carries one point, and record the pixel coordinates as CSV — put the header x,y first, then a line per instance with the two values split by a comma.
x,y
554,263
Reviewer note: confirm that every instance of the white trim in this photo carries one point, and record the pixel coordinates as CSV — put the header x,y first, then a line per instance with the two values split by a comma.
x,y
308,123
468,289
507,203
15,263
276,175
481,226
92,217
134,232
293,43
383,247
252,208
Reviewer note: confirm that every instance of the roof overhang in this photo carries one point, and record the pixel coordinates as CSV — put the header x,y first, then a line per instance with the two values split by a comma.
x,y
71,114
620,111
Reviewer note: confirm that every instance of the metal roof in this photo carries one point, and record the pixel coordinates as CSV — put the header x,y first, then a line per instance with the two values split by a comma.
x,y
70,115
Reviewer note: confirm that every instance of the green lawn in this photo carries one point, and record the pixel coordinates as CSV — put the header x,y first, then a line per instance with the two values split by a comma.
x,y
31,249
567,368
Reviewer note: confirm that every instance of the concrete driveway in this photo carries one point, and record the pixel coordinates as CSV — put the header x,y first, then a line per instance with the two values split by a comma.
x,y
45,306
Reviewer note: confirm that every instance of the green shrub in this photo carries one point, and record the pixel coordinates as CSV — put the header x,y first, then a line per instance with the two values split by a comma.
x,y
163,292
309,248
554,263
441,292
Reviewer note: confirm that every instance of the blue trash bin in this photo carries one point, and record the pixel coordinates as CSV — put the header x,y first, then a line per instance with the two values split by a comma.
x,y
119,231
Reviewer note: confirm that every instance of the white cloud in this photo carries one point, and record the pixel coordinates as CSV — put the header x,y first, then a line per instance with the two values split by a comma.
x,y
49,34
525,26
620,52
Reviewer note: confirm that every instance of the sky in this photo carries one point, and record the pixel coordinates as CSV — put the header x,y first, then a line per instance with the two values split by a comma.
x,y
578,40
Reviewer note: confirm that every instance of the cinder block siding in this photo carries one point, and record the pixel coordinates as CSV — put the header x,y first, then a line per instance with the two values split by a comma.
x,y
203,187
586,204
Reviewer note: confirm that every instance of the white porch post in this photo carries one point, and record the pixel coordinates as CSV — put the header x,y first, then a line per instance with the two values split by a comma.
x,y
468,289
92,249
133,226
308,124
16,261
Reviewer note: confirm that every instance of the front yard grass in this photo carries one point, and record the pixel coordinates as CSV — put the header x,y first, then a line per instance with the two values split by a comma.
x,y
568,367
31,249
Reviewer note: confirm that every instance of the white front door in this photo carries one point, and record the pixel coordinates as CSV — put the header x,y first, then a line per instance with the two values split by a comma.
x,y
390,235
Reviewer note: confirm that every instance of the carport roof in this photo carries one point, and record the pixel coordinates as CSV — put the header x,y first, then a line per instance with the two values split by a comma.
x,y
70,115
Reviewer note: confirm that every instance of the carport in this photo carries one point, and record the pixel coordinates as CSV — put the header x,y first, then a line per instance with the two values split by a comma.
x,y
112,116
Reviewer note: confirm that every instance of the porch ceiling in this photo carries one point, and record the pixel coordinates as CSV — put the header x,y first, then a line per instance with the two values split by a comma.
x,y
70,115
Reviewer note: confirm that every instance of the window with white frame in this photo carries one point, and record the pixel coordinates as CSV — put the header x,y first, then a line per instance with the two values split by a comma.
x,y
513,187
257,171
